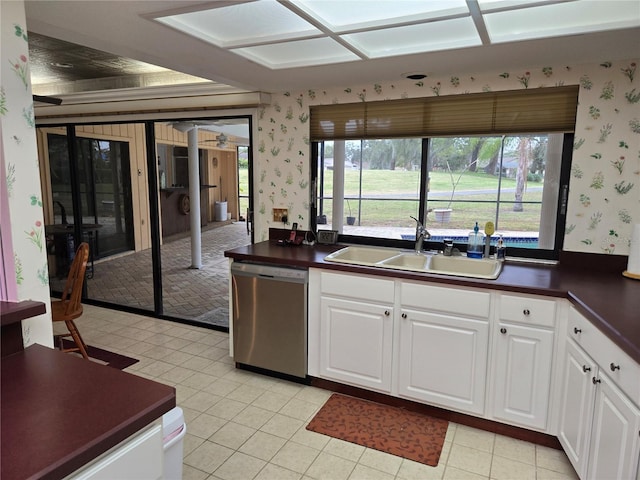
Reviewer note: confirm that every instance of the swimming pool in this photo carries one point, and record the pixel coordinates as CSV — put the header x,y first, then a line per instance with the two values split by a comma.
x,y
517,242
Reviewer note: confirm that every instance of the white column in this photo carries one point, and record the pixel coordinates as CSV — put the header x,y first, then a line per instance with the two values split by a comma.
x,y
194,195
337,219
550,191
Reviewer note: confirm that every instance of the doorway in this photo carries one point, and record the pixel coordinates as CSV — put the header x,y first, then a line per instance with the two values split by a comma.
x,y
122,187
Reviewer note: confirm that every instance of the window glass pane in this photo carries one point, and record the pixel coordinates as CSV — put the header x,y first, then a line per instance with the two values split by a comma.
x,y
380,189
463,184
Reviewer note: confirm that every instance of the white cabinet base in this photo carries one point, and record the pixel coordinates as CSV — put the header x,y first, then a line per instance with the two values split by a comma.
x,y
140,457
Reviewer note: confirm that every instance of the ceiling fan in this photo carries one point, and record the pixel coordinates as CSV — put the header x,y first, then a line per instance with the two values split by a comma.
x,y
222,140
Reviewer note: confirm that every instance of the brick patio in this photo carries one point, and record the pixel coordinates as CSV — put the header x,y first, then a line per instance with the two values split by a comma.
x,y
201,295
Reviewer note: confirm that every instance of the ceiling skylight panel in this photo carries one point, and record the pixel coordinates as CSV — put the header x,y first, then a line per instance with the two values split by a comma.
x,y
486,5
562,19
301,53
427,37
241,24
356,14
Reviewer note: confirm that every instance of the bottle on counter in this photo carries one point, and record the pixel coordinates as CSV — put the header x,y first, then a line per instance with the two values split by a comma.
x,y
501,249
475,245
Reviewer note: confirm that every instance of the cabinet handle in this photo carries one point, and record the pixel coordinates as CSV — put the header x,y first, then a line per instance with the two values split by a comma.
x,y
503,330
386,313
526,312
614,367
595,380
586,369
404,315
577,330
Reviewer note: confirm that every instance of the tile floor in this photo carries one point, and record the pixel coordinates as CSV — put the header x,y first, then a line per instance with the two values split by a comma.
x,y
244,426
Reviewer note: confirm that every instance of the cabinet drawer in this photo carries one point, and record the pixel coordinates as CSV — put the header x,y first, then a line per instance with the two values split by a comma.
x,y
380,290
472,303
528,310
619,366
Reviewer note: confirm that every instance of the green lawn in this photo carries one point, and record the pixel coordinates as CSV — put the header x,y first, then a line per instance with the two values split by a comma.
x,y
397,199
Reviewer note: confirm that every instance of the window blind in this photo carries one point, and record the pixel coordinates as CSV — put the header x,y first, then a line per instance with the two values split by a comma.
x,y
517,111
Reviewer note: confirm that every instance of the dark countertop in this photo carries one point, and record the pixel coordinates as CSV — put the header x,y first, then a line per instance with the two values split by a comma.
x,y
608,299
11,316
13,312
59,412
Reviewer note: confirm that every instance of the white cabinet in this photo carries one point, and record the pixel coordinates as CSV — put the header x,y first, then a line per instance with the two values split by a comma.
x,y
140,457
443,355
488,354
356,330
577,405
356,342
599,423
614,435
522,360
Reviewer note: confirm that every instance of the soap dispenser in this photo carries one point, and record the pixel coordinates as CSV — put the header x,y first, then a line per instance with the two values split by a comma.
x,y
501,249
475,245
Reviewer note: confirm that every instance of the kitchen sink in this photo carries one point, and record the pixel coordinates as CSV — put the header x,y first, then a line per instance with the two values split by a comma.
x,y
417,262
409,261
468,267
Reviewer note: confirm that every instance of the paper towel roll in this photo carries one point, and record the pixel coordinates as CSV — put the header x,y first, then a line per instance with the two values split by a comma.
x,y
633,265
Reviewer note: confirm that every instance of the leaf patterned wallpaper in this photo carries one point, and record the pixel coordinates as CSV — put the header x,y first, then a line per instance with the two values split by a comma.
x,y
604,199
22,173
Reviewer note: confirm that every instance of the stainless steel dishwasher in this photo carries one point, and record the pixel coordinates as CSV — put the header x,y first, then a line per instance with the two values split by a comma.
x,y
270,317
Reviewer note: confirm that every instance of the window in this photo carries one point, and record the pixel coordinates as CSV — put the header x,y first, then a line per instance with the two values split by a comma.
x,y
512,181
505,169
243,180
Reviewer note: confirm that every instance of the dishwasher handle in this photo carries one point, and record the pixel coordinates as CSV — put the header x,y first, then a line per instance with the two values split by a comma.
x,y
270,272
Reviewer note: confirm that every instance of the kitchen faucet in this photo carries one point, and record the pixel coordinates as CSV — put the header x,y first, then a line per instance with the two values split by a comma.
x,y
421,234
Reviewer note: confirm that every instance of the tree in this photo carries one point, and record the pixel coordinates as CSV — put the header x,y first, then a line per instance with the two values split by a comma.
x,y
491,152
524,151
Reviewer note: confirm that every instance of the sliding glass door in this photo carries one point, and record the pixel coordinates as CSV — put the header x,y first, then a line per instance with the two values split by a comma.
x,y
91,199
125,189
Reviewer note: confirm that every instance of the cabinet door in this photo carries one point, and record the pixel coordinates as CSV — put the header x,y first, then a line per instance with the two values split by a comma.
x,y
522,369
356,342
615,444
140,457
443,360
577,406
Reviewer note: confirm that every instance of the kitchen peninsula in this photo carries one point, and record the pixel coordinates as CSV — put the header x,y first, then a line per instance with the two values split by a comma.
x,y
60,413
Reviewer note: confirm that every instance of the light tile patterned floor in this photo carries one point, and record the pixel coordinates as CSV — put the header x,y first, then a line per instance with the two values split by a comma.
x,y
244,426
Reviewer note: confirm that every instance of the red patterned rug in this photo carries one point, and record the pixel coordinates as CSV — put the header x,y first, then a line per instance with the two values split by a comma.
x,y
381,427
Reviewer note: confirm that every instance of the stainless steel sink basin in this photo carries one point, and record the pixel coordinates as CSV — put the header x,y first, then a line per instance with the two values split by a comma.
x,y
417,262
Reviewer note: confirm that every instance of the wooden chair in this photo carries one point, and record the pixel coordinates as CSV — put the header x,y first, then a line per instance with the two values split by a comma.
x,y
68,308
